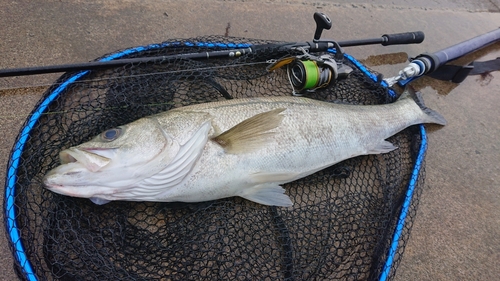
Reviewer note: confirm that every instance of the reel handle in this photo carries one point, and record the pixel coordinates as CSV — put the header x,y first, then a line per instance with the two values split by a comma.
x,y
322,22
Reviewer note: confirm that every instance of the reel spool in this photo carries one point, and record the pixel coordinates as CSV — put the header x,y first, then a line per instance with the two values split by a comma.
x,y
308,72
309,75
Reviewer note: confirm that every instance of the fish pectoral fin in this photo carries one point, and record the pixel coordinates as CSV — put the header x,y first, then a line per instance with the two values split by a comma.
x,y
99,201
382,147
267,194
250,134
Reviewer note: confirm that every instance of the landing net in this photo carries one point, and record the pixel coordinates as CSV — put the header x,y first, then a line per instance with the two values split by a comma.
x,y
350,221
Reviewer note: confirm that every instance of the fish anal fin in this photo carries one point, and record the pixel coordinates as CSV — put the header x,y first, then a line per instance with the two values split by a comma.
x,y
382,147
267,194
251,133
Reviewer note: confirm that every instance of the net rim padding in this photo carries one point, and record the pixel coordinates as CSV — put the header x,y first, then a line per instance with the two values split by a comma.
x,y
10,213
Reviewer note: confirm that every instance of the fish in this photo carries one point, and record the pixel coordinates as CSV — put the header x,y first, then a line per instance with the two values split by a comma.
x,y
246,147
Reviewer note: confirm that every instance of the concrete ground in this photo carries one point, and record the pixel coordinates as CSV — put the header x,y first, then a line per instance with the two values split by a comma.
x,y
456,235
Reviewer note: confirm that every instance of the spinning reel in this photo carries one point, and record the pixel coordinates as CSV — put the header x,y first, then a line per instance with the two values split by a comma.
x,y
308,72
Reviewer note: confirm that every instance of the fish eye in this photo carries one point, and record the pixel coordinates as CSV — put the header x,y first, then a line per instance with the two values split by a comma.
x,y
111,134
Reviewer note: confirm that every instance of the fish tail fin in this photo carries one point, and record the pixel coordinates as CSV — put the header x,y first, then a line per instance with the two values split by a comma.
x,y
430,116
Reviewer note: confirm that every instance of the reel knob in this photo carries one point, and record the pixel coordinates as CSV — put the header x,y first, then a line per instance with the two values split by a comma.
x,y
322,22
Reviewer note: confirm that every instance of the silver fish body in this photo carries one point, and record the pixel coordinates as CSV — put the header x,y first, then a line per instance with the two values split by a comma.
x,y
242,147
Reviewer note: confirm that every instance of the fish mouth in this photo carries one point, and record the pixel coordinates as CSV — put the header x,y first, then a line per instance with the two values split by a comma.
x,y
74,176
58,188
67,185
93,159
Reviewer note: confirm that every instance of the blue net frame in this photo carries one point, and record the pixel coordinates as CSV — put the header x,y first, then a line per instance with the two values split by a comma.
x,y
392,254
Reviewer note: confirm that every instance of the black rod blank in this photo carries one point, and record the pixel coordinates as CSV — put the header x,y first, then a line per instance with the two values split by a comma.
x,y
93,65
387,39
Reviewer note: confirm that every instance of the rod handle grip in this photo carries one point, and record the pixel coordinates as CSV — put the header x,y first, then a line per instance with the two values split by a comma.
x,y
415,37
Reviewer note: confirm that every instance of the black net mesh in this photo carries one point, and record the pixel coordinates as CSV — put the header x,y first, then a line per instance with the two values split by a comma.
x,y
340,226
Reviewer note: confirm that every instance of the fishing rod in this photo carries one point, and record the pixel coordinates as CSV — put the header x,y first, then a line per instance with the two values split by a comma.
x,y
317,45
426,64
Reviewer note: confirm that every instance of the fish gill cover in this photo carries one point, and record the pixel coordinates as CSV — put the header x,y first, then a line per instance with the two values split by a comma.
x,y
342,225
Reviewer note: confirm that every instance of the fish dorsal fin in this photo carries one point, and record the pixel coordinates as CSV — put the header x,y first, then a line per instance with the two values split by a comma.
x,y
183,162
251,133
